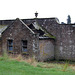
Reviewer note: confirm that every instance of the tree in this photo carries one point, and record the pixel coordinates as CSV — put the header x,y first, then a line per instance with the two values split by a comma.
x,y
69,20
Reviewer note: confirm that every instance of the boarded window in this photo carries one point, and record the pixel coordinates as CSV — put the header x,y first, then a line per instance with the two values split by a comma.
x,y
10,45
24,45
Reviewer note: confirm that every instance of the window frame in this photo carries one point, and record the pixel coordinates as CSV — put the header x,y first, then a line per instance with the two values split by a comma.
x,y
10,44
24,46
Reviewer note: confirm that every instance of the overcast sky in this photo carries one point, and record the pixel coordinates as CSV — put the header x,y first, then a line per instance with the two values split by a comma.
x,y
12,9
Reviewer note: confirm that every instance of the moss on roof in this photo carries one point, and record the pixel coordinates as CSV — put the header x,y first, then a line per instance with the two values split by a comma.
x,y
46,32
50,36
2,28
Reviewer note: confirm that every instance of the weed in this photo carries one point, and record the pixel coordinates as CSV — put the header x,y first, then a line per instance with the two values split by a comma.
x,y
5,55
66,66
19,57
31,60
45,65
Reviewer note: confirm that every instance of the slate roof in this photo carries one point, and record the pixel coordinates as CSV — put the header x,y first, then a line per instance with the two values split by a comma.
x,y
29,22
41,21
37,28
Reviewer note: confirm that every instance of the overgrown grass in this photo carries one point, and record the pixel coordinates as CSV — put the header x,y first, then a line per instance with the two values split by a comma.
x,y
18,66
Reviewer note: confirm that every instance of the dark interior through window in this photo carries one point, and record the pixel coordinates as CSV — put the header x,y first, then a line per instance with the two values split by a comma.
x,y
10,45
24,45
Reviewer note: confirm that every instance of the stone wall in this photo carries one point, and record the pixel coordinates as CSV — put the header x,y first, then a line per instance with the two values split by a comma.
x,y
65,45
18,32
46,47
65,40
65,37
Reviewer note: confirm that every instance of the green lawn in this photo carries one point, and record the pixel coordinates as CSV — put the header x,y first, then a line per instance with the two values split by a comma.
x,y
13,67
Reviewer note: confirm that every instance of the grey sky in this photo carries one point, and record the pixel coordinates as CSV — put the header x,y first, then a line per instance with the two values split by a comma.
x,y
11,9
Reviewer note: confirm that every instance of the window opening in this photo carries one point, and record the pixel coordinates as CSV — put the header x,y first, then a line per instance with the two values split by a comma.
x,y
24,45
10,45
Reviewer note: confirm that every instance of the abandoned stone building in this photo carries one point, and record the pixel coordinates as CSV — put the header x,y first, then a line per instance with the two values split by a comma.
x,y
45,38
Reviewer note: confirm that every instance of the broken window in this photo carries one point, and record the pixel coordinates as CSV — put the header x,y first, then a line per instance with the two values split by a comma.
x,y
24,45
10,45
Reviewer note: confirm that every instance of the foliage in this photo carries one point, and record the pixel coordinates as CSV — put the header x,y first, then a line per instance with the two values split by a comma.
x,y
69,20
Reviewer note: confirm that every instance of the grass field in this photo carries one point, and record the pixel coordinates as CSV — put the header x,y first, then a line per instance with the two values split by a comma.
x,y
14,67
